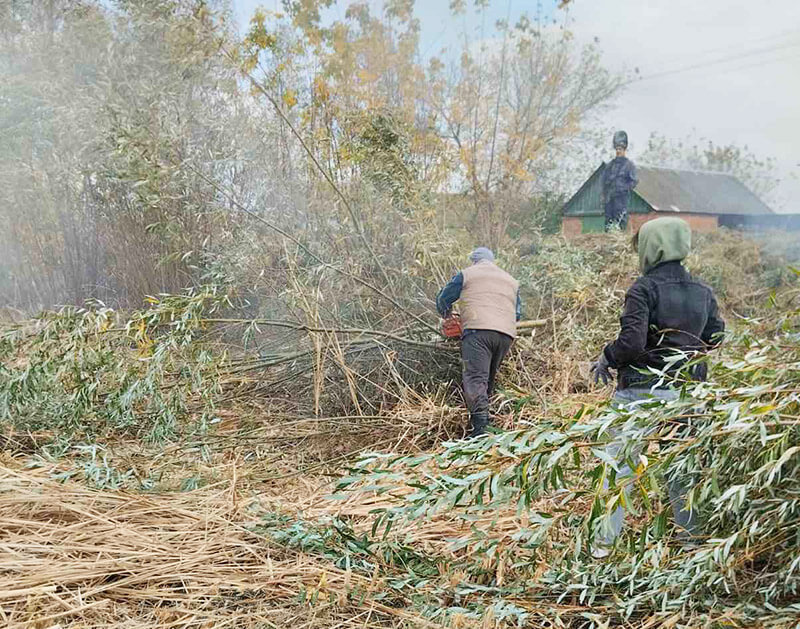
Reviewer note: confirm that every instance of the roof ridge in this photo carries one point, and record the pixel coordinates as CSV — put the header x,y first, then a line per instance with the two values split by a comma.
x,y
691,170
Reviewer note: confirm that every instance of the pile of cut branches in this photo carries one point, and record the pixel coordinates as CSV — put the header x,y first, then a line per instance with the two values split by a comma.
x,y
742,452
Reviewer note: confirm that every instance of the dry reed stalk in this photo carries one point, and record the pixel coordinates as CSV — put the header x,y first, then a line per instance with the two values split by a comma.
x,y
82,558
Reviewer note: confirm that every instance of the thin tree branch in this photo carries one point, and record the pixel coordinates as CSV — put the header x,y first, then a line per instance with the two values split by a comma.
x,y
325,174
499,94
307,328
319,260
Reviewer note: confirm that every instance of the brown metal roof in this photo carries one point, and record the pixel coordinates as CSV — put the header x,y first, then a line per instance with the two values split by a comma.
x,y
668,190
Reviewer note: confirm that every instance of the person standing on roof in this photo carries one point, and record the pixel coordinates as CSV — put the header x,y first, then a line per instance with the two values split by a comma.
x,y
490,306
619,178
668,318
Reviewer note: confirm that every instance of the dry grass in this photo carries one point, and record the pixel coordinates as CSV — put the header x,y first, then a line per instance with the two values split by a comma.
x,y
74,557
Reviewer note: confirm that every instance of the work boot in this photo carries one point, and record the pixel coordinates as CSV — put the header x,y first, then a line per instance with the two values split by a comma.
x,y
478,423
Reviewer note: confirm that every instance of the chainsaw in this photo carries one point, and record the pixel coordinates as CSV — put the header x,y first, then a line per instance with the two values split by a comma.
x,y
451,325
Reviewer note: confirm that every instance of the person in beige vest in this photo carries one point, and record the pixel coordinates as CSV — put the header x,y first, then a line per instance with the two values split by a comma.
x,y
490,307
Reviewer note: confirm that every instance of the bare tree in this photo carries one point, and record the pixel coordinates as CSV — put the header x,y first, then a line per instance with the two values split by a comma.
x,y
502,109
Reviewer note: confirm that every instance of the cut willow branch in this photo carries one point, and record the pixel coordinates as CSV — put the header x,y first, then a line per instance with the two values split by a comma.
x,y
307,328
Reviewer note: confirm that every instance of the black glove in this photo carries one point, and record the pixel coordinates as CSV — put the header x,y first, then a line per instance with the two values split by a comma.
x,y
600,370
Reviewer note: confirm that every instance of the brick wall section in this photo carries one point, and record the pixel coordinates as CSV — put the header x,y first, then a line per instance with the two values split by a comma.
x,y
701,223
571,226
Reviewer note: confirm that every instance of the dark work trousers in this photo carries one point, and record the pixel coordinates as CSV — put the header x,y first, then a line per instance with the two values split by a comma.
x,y
482,351
616,211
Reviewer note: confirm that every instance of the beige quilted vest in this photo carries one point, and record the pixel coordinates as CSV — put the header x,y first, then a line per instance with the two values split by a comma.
x,y
488,299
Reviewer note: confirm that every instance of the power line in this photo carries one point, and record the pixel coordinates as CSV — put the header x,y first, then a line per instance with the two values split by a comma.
x,y
701,72
775,39
706,64
760,63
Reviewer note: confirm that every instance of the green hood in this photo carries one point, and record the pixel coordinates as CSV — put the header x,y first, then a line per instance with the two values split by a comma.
x,y
663,240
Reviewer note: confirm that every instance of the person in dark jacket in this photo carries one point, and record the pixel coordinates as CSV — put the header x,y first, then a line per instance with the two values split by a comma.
x,y
668,318
618,179
490,307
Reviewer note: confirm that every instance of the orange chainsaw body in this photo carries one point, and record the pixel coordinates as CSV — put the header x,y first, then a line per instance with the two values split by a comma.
x,y
451,326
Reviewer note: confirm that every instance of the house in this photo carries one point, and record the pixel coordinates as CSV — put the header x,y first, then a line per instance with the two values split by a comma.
x,y
706,200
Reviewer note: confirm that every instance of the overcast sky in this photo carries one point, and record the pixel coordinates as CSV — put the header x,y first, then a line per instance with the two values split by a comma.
x,y
726,70
745,88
